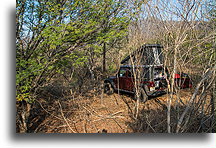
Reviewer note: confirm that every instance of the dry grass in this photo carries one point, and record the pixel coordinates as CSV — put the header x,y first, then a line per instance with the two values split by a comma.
x,y
111,114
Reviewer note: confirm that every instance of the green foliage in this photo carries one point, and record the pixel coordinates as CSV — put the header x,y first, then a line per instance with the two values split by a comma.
x,y
203,54
25,77
53,35
112,68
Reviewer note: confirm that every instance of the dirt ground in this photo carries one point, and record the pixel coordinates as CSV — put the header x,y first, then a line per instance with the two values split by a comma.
x,y
109,114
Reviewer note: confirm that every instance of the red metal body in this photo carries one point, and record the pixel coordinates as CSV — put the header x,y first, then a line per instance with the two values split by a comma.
x,y
183,81
156,81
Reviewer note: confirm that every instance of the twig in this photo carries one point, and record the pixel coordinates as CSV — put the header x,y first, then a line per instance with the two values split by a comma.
x,y
65,118
206,75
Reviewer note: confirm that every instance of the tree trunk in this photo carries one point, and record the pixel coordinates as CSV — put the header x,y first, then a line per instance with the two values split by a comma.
x,y
212,123
172,91
104,57
23,113
212,130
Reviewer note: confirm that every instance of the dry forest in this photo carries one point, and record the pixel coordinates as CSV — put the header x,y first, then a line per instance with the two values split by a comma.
x,y
65,49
